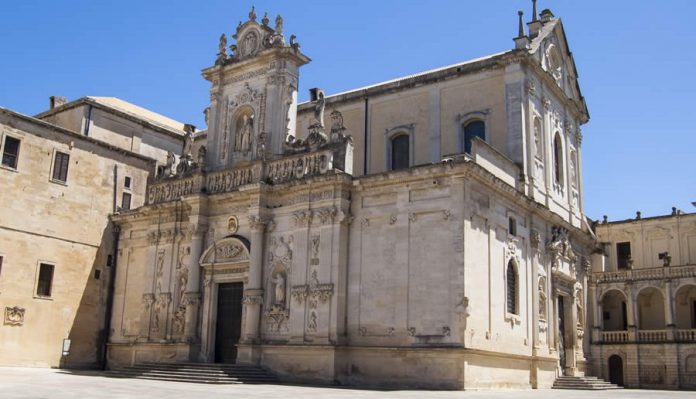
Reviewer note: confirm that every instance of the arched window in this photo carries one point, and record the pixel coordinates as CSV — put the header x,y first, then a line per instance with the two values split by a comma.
x,y
558,159
511,287
400,152
473,129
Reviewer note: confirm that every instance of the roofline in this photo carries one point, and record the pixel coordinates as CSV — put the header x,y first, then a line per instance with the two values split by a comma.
x,y
75,135
649,218
132,117
410,81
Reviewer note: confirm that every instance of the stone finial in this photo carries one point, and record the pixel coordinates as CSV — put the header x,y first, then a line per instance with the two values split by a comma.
x,y
534,11
546,15
605,219
520,33
265,19
638,215
521,41
252,14
674,211
279,25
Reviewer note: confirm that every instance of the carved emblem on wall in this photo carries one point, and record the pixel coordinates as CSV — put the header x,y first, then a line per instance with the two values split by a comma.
x,y
232,225
559,247
14,316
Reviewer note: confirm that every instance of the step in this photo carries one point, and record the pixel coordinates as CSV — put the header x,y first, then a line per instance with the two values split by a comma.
x,y
208,373
582,383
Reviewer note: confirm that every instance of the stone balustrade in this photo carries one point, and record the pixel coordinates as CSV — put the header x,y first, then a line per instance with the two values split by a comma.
x,y
647,336
652,335
613,336
334,157
685,335
653,273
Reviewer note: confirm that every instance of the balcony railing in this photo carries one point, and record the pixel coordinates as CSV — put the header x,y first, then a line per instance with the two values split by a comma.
x,y
614,336
653,273
652,335
647,336
333,157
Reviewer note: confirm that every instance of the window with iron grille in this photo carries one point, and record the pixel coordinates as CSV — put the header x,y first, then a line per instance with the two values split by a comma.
x,y
60,167
10,152
45,283
511,293
126,201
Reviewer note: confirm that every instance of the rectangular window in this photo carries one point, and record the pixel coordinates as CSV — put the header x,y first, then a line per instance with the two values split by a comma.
x,y
623,254
512,226
126,201
97,274
60,167
10,152
127,182
45,284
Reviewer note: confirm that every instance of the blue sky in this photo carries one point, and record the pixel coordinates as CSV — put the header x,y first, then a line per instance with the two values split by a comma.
x,y
635,60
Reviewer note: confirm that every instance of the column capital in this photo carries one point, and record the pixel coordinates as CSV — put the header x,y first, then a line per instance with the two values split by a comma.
x,y
258,223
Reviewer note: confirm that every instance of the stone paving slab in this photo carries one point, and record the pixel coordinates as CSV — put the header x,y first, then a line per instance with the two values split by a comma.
x,y
28,383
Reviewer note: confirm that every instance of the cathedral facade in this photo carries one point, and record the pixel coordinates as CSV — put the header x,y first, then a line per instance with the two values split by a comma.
x,y
427,231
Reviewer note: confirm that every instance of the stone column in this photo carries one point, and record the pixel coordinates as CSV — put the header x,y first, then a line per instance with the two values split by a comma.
x,y
631,314
192,295
571,359
669,311
148,290
253,293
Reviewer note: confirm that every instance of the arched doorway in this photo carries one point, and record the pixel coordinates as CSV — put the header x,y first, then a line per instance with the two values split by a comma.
x,y
616,375
225,266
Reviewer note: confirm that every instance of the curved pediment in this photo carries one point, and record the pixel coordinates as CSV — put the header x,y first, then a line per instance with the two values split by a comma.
x,y
227,250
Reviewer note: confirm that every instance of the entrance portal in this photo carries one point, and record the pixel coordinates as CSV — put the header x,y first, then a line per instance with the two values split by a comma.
x,y
229,322
616,370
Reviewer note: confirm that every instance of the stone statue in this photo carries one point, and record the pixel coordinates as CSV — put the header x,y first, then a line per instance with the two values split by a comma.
x,y
279,283
206,115
319,105
169,168
201,156
252,14
188,142
243,138
222,49
265,19
295,46
279,25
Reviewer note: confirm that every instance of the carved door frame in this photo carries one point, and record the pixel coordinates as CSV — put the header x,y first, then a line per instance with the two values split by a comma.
x,y
218,269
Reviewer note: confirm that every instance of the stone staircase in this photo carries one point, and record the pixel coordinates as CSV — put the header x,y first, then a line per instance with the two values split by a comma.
x,y
204,373
587,383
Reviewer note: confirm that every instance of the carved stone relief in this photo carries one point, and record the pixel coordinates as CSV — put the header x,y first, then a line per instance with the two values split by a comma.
x,y
14,316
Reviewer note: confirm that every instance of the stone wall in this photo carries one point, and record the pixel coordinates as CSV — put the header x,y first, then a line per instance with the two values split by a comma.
x,y
64,224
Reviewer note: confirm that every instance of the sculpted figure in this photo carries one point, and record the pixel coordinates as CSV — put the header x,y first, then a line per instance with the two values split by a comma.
x,y
279,282
169,169
279,25
244,136
201,155
188,143
319,105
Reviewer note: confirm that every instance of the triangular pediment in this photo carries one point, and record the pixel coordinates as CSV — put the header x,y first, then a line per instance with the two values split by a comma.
x,y
549,47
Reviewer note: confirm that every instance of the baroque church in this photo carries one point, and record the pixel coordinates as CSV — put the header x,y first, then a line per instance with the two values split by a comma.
x,y
422,232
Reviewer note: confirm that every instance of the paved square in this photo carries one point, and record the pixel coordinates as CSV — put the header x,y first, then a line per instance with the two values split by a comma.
x,y
28,383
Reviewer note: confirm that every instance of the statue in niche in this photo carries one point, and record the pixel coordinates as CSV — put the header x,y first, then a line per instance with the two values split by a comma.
x,y
537,138
279,285
245,127
250,42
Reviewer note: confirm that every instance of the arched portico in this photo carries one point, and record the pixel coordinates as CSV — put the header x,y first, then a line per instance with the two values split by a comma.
x,y
651,309
225,267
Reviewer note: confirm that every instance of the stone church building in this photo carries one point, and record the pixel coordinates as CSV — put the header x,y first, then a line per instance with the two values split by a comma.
x,y
426,231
